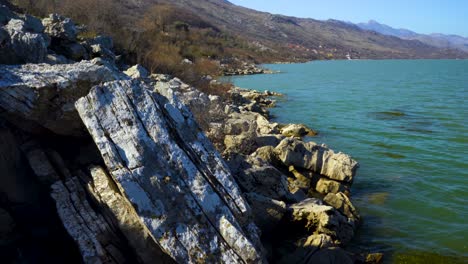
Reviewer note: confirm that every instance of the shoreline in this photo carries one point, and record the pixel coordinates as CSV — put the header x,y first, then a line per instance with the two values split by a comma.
x,y
279,172
323,187
393,251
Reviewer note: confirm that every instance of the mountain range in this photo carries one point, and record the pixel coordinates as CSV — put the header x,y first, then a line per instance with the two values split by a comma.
x,y
435,39
309,38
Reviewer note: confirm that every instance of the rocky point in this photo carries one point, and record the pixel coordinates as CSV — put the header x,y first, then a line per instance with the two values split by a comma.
x,y
105,163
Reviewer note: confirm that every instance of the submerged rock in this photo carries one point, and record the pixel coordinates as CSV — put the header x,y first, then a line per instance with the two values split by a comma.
x,y
179,186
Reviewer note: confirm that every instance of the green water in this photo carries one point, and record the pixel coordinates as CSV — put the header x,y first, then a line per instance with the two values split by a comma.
x,y
406,123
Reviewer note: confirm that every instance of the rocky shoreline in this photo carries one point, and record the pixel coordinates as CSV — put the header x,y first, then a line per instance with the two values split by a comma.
x,y
245,69
103,163
298,190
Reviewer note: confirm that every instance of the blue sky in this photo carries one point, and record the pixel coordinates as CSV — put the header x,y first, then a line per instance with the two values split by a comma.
x,y
422,16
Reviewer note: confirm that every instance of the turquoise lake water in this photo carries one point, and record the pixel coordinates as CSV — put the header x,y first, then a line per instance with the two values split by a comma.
x,y
406,122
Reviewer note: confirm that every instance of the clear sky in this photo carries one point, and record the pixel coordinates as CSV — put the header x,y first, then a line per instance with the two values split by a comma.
x,y
422,16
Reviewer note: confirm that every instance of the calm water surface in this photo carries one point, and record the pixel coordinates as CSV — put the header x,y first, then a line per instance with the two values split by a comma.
x,y
406,122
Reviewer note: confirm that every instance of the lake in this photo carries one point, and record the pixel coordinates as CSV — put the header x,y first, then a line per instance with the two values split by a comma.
x,y
406,122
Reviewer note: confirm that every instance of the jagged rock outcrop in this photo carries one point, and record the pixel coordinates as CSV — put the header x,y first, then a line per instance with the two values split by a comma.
x,y
60,28
136,72
267,212
322,219
135,180
342,203
317,158
35,96
297,130
21,38
180,188
256,176
54,40
95,235
274,171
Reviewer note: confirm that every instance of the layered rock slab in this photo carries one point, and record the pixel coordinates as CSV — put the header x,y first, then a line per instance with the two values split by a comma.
x,y
164,165
44,94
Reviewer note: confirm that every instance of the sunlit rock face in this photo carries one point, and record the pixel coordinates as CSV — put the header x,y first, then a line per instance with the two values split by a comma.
x,y
176,181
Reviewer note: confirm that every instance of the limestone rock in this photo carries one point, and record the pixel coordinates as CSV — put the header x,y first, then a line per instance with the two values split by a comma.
x,y
59,27
268,140
297,130
299,181
238,126
263,179
244,143
267,154
103,41
81,223
319,159
164,165
318,241
98,50
265,127
322,219
326,186
32,24
20,45
311,183
106,192
267,212
73,51
56,59
137,71
44,95
342,203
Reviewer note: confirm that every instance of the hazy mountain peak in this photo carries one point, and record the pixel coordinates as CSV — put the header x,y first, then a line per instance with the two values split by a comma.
x,y
435,39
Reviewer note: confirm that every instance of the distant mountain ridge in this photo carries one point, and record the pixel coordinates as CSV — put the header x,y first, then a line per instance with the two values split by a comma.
x,y
308,38
435,39
257,36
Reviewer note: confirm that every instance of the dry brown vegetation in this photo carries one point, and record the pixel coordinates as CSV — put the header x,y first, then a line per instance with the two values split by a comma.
x,y
160,38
